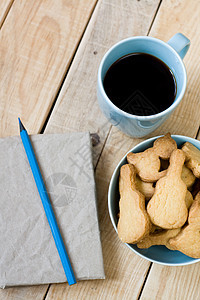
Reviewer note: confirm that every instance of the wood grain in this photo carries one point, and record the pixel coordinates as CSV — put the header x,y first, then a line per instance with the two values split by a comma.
x,y
181,282
24,293
5,6
77,110
37,42
173,17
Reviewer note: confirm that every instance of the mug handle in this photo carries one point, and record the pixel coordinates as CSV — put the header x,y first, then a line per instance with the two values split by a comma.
x,y
146,124
180,43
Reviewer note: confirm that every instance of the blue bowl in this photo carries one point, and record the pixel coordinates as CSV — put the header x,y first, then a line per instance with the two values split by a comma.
x,y
157,254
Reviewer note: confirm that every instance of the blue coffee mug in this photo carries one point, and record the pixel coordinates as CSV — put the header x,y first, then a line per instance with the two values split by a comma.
x,y
170,53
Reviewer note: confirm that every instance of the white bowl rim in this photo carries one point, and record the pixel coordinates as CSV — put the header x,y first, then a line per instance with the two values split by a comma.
x,y
189,139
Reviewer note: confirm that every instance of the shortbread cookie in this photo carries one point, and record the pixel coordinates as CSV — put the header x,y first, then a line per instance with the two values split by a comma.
x,y
188,177
146,188
160,238
164,146
134,221
188,199
188,240
192,158
194,215
167,207
147,163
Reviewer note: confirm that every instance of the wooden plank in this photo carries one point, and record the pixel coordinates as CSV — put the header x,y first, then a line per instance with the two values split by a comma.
x,y
37,43
22,293
77,109
5,6
173,17
181,282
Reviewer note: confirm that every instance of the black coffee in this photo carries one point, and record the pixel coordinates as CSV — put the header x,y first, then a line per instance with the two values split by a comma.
x,y
140,84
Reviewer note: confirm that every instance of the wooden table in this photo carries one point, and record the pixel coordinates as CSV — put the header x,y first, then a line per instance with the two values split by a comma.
x,y
50,53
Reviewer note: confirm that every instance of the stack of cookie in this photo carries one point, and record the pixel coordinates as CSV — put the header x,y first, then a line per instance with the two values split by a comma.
x,y
160,198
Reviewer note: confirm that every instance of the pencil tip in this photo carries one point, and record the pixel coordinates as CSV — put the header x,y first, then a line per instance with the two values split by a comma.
x,y
21,126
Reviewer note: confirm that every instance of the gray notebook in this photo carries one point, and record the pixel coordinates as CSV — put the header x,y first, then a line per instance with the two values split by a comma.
x,y
28,254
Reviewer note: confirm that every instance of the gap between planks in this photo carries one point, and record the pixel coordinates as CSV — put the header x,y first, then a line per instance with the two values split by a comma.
x,y
198,133
8,8
145,279
46,292
154,17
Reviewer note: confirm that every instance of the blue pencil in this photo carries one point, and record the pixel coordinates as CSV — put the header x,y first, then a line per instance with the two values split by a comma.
x,y
47,205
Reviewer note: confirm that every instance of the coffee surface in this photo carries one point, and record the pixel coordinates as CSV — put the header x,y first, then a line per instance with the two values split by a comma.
x,y
140,84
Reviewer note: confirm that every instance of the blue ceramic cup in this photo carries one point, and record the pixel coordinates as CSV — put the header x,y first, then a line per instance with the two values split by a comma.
x,y
170,53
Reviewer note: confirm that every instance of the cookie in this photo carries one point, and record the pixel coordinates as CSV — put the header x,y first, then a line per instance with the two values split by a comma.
x,y
134,221
192,158
188,177
167,207
146,188
188,240
194,215
160,238
188,199
164,146
147,163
